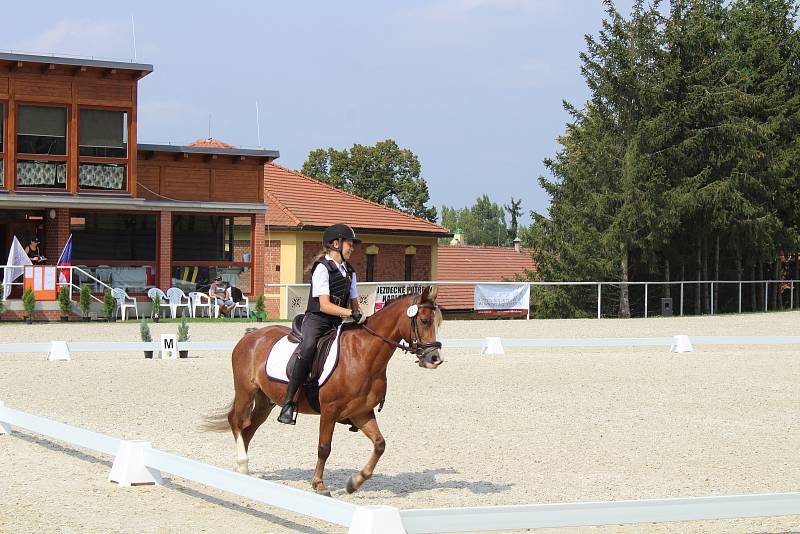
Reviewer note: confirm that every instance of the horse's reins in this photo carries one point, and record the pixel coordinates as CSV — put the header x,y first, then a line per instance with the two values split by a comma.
x,y
415,347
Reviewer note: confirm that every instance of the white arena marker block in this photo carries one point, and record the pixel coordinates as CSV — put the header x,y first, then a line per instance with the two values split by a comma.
x,y
129,466
376,520
58,351
5,428
492,345
681,344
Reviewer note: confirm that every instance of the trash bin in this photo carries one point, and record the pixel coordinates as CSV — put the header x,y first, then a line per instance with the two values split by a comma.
x,y
666,307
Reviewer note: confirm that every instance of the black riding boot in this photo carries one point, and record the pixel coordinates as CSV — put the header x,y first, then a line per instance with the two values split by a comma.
x,y
299,373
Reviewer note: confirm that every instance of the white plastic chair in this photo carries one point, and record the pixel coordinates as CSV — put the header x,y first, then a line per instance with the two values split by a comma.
x,y
243,306
177,299
124,302
200,301
162,299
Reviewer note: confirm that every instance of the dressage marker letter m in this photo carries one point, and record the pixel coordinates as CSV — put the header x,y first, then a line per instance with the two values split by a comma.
x,y
169,347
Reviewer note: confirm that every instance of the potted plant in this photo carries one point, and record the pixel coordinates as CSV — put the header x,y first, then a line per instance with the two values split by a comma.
x,y
144,332
156,308
85,302
64,303
261,308
29,303
108,305
183,335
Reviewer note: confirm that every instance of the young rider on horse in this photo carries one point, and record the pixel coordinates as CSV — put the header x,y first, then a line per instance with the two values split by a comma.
x,y
333,296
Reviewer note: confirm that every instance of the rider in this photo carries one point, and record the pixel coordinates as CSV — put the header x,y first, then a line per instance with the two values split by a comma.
x,y
333,296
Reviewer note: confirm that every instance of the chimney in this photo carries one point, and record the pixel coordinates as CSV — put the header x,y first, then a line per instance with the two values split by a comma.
x,y
458,238
518,244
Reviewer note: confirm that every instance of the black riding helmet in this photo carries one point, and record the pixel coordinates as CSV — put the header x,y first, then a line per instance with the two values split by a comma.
x,y
338,231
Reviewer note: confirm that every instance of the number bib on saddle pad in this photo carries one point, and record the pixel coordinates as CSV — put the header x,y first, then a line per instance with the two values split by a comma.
x,y
283,350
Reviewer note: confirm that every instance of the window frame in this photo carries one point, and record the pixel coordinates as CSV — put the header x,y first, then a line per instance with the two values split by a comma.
x,y
94,159
3,150
408,268
22,156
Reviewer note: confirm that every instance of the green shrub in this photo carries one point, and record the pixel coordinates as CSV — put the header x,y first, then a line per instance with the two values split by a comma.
x,y
64,302
85,300
29,302
183,329
108,303
144,331
156,306
261,307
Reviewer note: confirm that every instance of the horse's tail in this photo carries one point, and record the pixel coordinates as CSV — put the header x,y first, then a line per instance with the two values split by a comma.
x,y
217,421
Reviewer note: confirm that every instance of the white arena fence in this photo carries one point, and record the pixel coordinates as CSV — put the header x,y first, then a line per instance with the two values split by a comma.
x,y
488,345
138,462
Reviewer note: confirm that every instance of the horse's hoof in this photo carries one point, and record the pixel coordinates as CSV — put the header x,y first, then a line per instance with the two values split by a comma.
x,y
324,493
351,487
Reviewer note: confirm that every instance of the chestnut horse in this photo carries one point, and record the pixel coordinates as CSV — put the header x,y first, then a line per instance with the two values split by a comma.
x,y
356,387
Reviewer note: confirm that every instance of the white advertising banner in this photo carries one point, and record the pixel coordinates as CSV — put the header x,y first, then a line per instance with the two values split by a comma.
x,y
502,298
297,300
386,293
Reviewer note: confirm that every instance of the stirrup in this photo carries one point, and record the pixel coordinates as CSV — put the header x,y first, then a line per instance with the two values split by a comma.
x,y
289,418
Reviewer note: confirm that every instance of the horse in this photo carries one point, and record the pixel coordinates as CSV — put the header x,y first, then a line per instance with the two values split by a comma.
x,y
356,387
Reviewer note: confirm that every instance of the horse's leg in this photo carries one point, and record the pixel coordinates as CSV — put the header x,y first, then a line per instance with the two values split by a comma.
x,y
261,409
326,425
369,426
239,419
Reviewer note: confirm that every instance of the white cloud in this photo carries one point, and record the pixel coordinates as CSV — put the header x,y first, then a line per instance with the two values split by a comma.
x,y
107,39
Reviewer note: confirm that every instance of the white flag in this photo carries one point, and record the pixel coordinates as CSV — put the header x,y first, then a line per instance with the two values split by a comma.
x,y
18,258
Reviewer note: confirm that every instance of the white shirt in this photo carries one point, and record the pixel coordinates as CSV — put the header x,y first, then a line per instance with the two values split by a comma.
x,y
320,282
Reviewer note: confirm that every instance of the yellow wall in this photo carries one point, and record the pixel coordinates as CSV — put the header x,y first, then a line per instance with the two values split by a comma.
x,y
292,252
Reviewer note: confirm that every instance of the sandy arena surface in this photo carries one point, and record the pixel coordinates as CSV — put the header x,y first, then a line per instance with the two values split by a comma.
x,y
534,426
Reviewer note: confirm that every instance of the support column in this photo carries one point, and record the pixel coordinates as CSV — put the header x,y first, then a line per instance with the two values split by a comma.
x,y
165,250
56,234
257,243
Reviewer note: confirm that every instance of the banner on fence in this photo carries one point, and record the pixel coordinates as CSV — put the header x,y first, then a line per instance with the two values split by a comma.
x,y
502,299
386,293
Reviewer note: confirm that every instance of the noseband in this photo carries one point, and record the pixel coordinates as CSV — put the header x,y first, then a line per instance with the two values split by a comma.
x,y
416,347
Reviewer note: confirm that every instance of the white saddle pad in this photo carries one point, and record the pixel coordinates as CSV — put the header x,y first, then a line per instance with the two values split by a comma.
x,y
283,350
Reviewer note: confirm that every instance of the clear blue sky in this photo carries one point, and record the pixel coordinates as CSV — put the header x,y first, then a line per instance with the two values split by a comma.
x,y
473,87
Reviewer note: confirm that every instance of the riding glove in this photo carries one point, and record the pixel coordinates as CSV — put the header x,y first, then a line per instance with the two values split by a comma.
x,y
358,317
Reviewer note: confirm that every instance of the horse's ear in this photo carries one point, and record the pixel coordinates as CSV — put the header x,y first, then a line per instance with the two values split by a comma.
x,y
434,292
425,297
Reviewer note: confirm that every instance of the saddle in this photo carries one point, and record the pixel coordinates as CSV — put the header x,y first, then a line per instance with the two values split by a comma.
x,y
311,387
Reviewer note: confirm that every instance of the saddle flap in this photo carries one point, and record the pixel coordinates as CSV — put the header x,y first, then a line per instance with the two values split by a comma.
x,y
320,355
296,336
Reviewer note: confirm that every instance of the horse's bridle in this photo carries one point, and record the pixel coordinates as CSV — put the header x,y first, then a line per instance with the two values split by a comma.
x,y
415,347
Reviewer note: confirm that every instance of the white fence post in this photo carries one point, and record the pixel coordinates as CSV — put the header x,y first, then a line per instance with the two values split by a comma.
x,y
711,304
740,296
645,300
681,299
766,296
599,298
376,520
129,467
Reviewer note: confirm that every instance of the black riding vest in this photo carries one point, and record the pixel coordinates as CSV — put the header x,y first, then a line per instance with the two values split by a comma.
x,y
338,285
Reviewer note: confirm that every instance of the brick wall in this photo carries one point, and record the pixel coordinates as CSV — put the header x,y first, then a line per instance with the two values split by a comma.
x,y
390,262
56,234
272,275
165,249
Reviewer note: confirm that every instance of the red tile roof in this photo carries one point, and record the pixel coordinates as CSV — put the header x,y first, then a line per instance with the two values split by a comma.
x,y
480,264
210,143
296,200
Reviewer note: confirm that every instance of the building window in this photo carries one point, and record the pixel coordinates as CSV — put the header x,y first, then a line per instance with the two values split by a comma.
x,y
370,267
119,249
409,271
42,139
103,139
204,246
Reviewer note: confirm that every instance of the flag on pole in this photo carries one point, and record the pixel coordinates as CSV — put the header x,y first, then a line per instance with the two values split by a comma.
x,y
19,259
65,260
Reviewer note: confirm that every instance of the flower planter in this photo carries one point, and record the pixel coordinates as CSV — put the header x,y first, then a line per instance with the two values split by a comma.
x,y
64,318
183,353
86,319
148,354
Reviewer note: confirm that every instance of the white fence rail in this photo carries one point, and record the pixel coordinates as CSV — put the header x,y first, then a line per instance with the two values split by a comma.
x,y
464,343
599,513
388,520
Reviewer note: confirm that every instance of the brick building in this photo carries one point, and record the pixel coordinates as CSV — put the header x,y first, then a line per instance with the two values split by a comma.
x,y
395,246
141,215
